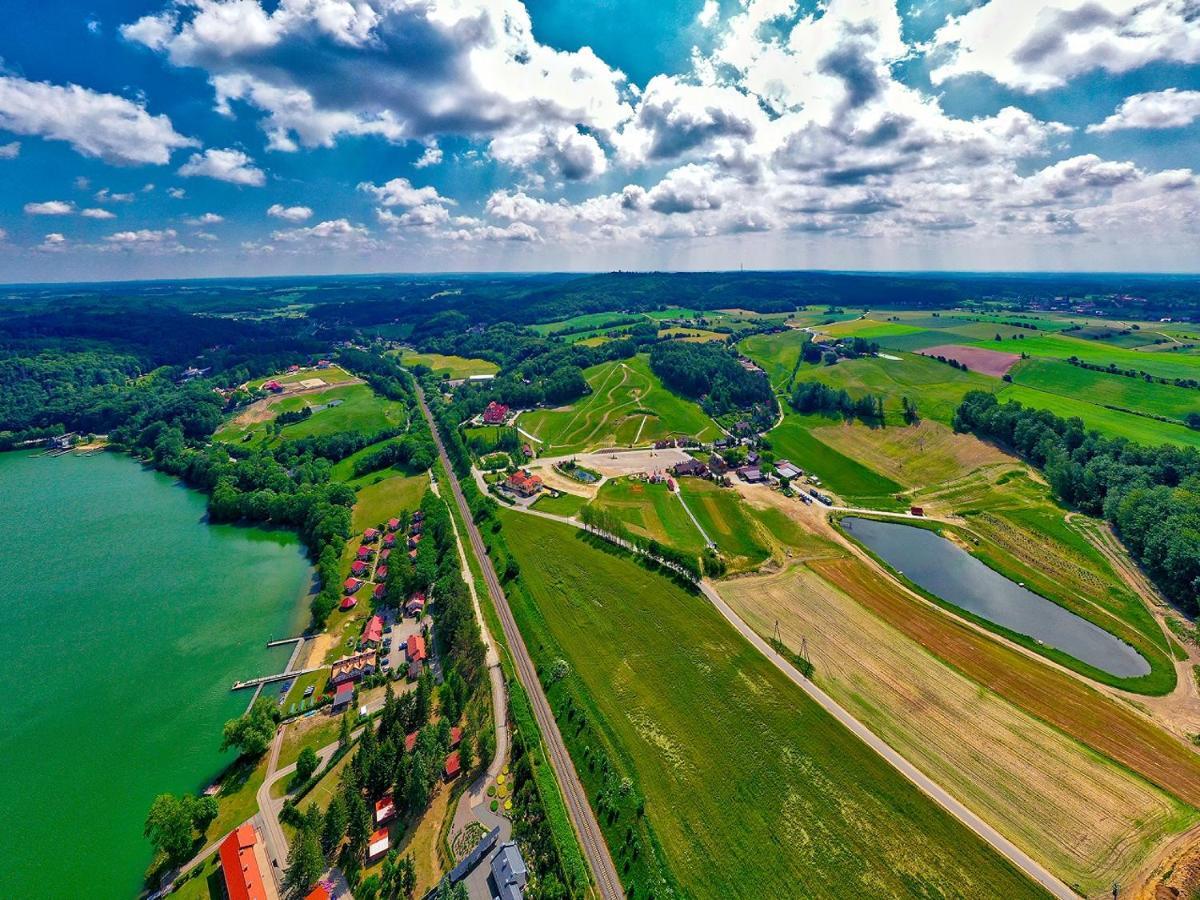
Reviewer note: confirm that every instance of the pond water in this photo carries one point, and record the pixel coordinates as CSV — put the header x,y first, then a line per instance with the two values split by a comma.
x,y
126,618
951,573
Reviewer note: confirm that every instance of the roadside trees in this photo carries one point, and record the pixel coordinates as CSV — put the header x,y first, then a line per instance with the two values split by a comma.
x,y
306,765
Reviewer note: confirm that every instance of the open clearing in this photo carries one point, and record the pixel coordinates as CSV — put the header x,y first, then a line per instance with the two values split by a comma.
x,y
1086,819
651,511
989,362
793,440
750,788
356,408
628,405
777,353
728,523
453,366
1106,390
384,499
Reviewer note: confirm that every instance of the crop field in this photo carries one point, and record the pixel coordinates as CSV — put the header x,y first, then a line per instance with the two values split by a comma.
x,y
454,366
1086,819
628,405
359,409
977,359
869,329
711,734
693,335
589,320
1057,698
936,388
793,440
776,353
727,521
651,511
1162,363
387,498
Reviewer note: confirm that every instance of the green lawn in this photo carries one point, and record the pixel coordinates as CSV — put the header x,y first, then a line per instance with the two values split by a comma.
x,y
454,366
563,505
628,404
776,353
750,788
332,376
359,409
792,440
651,511
381,501
1060,346
727,521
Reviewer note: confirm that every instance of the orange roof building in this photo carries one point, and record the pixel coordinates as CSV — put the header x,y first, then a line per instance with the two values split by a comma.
x,y
243,862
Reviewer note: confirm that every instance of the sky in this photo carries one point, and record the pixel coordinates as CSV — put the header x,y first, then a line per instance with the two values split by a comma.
x,y
199,138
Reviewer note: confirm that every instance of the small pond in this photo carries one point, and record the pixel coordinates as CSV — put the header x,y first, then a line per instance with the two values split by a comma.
x,y
951,573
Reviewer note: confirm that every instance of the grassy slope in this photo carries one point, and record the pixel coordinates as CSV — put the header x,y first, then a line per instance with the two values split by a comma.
x,y
455,366
1058,346
792,439
751,790
563,505
651,511
360,410
625,394
727,521
776,353
384,499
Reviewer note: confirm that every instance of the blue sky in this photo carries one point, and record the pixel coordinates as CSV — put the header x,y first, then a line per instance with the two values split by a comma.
x,y
227,137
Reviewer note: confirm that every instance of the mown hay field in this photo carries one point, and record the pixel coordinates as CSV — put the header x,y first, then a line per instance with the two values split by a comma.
x,y
628,404
1088,820
357,408
751,790
793,440
387,498
454,366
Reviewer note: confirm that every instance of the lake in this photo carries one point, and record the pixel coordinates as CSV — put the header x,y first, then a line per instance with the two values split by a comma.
x,y
950,572
126,618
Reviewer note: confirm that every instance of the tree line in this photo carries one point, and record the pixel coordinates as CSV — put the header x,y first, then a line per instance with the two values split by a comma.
x,y
710,374
1151,495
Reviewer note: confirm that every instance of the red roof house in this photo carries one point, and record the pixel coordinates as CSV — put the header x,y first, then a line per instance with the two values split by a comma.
x,y
385,809
358,568
384,554
349,602
495,414
370,534
455,736
415,648
273,386
523,483
453,766
393,524
240,865
373,633
365,552
379,591
412,554
415,604
320,892
344,695
389,540
351,585
410,741
378,844
380,573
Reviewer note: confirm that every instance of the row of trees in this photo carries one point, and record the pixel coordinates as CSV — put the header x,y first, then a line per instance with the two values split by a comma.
x,y
1151,495
817,397
608,525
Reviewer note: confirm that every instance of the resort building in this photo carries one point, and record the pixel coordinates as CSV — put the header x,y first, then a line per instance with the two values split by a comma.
x,y
371,534
358,568
342,697
378,845
414,651
245,866
352,668
350,585
521,482
415,605
393,524
349,603
385,809
495,414
453,766
509,872
373,634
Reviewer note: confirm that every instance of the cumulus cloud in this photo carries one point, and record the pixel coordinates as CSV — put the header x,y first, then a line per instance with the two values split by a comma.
x,y
10,150
1035,45
97,213
709,12
142,236
104,195
232,166
401,192
334,233
431,157
289,213
53,242
103,126
563,150
320,70
50,208
176,193
1171,108
207,218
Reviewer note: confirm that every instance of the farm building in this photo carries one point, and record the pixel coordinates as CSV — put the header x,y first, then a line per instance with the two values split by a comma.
x,y
750,474
343,696
691,467
785,469
509,872
244,863
352,668
524,483
495,414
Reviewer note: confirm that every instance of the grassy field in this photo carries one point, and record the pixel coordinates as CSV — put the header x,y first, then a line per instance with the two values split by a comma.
x,y
564,504
1112,423
651,511
776,353
1088,820
728,522
793,440
1060,346
359,409
868,329
587,320
1056,697
334,375
381,501
1106,390
628,405
454,366
750,789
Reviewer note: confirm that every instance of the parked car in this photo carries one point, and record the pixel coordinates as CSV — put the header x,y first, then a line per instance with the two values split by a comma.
x,y
308,691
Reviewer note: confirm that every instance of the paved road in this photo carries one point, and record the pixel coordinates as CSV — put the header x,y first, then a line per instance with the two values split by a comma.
x,y
926,785
591,839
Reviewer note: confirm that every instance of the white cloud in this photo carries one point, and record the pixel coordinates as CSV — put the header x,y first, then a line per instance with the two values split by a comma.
x,y
53,241
401,192
205,236
11,150
104,126
564,150
104,195
1035,45
709,13
205,219
50,208
289,213
337,233
176,193
96,213
232,166
1171,108
142,236
431,157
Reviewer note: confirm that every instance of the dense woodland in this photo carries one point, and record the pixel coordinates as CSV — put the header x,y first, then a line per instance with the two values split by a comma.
x,y
1151,495
711,374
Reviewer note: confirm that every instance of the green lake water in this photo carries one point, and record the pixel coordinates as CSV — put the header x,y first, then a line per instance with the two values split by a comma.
x,y
125,618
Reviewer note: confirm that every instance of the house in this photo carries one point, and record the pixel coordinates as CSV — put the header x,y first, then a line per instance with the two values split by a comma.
x,y
415,527
716,462
373,633
343,696
385,809
521,482
273,386
244,864
414,650
389,541
352,668
393,524
691,467
664,445
418,516
378,845
322,364
495,414
752,458
380,590
916,511
785,469
509,872
412,554
413,541
415,604
63,441
722,443
750,474
320,892
358,568
365,552
384,554
455,736
381,572
293,369
453,766
370,535
349,603
350,585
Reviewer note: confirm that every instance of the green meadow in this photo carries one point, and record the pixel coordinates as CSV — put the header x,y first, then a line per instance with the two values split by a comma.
x,y
628,405
748,788
651,511
793,440
452,366
359,409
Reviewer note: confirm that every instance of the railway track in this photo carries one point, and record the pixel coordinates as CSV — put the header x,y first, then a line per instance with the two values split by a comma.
x,y
595,849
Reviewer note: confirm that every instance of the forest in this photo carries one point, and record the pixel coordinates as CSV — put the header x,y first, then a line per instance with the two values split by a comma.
x,y
710,374
1151,495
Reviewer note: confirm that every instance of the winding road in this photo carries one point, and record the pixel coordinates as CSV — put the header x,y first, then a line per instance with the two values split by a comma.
x,y
580,811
